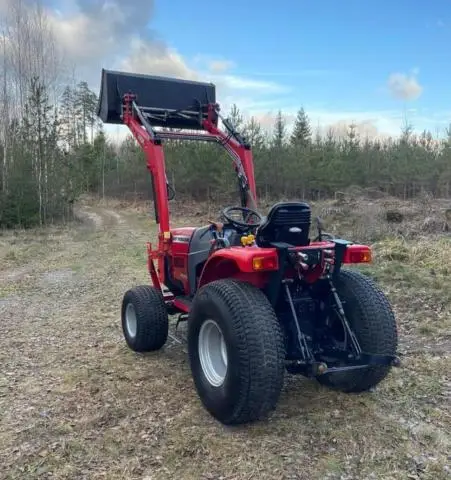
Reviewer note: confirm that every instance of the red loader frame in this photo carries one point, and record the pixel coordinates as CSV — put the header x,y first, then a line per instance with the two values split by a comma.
x,y
134,117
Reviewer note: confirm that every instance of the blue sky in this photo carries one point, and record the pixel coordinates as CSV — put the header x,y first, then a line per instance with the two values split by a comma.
x,y
330,55
343,61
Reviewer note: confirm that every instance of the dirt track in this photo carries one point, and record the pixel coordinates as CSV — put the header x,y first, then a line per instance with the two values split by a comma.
x,y
76,403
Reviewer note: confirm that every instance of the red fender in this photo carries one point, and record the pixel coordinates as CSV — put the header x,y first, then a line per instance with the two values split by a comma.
x,y
249,264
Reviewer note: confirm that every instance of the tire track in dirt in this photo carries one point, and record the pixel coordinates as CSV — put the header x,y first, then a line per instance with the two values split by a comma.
x,y
85,215
99,217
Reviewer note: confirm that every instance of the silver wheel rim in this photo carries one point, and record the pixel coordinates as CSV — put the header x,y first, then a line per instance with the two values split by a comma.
x,y
212,353
131,323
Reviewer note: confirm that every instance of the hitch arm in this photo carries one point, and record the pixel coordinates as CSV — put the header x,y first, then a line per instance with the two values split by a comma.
x,y
341,314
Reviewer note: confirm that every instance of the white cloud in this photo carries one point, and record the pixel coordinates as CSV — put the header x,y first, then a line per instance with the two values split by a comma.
x,y
220,66
238,83
97,34
103,33
116,133
404,87
156,59
297,73
378,123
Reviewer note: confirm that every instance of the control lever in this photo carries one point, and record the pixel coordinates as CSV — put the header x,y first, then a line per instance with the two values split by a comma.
x,y
216,226
322,235
320,228
217,229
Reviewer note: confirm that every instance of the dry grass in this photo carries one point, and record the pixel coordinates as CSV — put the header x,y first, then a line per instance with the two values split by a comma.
x,y
75,403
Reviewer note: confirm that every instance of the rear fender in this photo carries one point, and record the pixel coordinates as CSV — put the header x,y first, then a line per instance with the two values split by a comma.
x,y
252,265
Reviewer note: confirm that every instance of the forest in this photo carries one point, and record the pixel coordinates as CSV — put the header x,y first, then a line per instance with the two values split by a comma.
x,y
53,147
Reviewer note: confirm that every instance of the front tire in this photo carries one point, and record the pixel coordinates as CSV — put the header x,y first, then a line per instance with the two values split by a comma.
x,y
145,322
236,351
371,317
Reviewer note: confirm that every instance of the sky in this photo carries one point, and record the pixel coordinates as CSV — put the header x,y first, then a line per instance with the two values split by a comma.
x,y
376,64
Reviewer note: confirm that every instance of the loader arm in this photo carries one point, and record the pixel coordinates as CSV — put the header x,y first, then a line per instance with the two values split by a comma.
x,y
142,103
155,163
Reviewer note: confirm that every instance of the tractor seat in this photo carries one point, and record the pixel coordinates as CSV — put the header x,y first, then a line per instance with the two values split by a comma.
x,y
286,222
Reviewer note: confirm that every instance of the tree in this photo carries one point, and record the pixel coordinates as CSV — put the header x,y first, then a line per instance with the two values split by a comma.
x,y
85,110
302,133
40,138
253,133
279,134
68,119
235,118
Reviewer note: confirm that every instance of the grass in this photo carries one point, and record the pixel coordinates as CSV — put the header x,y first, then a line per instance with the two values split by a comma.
x,y
76,403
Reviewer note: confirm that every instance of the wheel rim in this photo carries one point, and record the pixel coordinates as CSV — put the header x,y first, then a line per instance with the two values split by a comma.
x,y
212,353
131,323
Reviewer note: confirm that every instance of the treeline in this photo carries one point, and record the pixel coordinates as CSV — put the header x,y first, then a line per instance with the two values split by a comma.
x,y
308,165
55,152
53,148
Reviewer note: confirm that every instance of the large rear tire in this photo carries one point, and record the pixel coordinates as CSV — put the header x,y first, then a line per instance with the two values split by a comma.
x,y
145,322
236,351
371,317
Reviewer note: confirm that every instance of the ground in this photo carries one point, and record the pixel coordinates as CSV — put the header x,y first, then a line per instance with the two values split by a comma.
x,y
76,403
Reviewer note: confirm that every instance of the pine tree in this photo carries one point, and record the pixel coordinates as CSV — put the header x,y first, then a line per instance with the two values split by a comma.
x,y
279,131
302,132
68,120
235,118
254,135
85,107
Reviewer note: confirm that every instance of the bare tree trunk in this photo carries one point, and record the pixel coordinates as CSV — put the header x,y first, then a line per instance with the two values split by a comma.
x,y
4,137
103,172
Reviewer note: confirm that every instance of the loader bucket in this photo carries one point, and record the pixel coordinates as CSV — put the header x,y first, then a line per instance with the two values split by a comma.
x,y
169,102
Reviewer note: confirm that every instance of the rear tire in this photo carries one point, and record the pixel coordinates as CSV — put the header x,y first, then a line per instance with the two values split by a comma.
x,y
371,317
239,377
145,322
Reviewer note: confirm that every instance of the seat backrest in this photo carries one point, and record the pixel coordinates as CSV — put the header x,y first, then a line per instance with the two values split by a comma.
x,y
287,222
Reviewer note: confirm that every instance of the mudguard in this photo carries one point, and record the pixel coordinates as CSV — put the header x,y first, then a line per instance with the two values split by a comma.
x,y
252,264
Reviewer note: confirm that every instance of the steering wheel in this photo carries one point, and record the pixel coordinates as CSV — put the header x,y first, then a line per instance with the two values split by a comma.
x,y
251,218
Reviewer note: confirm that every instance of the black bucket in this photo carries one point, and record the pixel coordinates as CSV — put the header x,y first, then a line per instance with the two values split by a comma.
x,y
160,97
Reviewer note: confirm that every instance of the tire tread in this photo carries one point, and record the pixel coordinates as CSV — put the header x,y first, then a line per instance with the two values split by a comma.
x,y
260,345
152,318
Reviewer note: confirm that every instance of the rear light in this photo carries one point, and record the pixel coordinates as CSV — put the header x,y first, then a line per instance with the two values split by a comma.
x,y
358,254
265,263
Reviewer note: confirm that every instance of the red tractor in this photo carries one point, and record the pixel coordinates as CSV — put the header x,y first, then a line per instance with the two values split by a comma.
x,y
260,296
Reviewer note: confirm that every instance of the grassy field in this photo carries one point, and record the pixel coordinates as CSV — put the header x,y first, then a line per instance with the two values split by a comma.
x,y
75,403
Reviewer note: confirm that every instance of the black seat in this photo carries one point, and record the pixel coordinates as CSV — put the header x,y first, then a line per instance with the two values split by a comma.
x,y
199,249
286,222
